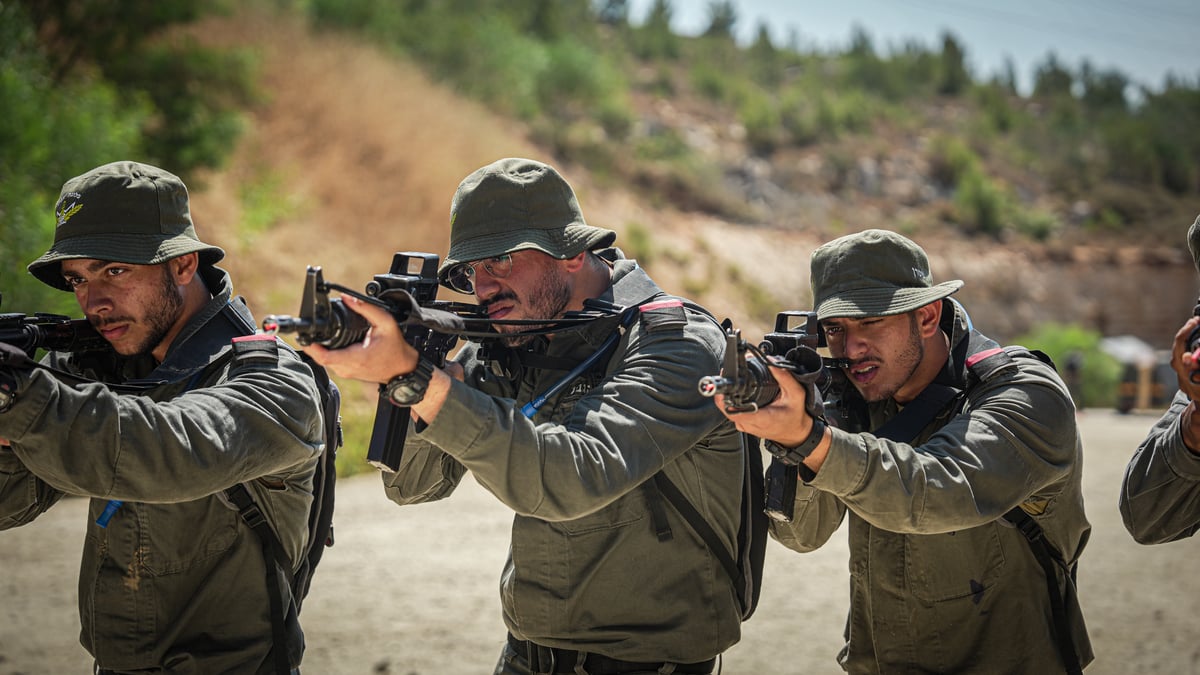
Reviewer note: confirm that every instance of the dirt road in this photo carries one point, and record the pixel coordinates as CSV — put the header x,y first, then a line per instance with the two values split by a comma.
x,y
413,591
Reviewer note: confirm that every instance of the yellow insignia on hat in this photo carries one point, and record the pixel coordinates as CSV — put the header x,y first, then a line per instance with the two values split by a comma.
x,y
65,214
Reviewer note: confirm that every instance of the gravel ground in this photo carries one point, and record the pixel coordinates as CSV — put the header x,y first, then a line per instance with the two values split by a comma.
x,y
414,590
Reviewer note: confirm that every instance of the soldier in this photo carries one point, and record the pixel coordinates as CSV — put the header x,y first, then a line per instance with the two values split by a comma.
x,y
941,445
602,576
154,430
1160,494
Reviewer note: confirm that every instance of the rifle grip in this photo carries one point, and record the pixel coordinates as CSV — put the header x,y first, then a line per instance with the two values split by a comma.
x,y
388,436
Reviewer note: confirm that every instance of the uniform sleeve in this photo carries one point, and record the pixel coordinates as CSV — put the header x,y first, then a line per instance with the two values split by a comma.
x,y
87,439
815,517
23,496
1016,437
425,473
644,414
1160,493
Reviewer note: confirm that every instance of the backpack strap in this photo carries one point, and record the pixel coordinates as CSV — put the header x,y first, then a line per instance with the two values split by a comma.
x,y
918,413
701,527
981,364
273,557
1047,556
264,349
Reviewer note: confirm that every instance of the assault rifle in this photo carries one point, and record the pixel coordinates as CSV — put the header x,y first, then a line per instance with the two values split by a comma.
x,y
408,291
51,332
747,385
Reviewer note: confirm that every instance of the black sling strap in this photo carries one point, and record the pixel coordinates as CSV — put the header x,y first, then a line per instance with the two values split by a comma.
x,y
918,414
274,559
251,349
699,525
1047,557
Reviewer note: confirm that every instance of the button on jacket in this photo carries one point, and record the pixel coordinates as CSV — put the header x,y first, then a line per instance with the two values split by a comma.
x,y
586,570
939,582
176,582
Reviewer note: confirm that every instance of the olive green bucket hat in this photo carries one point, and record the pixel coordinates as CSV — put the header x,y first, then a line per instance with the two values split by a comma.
x,y
873,273
1194,242
122,212
514,204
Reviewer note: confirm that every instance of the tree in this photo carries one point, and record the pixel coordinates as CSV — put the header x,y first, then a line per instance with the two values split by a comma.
x,y
197,92
722,20
1103,91
1051,79
953,77
655,40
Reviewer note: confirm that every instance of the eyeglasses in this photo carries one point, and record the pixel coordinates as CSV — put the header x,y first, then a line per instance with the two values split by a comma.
x,y
462,277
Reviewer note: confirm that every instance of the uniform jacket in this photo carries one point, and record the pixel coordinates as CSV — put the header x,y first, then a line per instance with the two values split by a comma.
x,y
585,569
176,583
1160,495
939,582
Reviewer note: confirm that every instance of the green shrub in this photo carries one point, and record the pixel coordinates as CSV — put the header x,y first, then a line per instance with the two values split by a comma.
x,y
637,243
265,202
1099,373
761,119
950,158
1036,224
980,204
711,82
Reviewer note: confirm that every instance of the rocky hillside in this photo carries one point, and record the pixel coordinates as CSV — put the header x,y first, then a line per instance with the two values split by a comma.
x,y
360,153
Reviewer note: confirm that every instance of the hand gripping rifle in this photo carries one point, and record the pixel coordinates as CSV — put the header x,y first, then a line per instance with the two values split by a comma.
x,y
747,384
433,327
408,292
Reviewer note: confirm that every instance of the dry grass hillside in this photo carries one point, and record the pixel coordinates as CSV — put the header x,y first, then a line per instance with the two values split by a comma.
x,y
365,152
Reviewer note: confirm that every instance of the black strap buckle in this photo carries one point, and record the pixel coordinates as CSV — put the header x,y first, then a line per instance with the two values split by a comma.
x,y
542,660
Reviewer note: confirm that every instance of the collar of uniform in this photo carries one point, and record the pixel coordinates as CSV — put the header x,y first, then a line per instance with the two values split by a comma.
x,y
208,333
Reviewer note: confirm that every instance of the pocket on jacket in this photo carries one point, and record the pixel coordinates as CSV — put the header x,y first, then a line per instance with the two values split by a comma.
x,y
629,509
955,564
178,536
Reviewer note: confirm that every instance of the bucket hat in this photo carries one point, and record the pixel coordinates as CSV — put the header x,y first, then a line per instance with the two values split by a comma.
x,y
514,204
873,273
121,212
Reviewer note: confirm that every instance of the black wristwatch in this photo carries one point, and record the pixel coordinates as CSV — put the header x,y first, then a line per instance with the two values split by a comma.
x,y
797,455
409,389
8,389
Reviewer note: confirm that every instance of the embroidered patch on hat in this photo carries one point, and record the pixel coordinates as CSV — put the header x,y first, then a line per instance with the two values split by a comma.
x,y
67,209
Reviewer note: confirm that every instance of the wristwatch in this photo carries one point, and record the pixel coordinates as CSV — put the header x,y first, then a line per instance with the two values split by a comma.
x,y
408,389
797,455
8,389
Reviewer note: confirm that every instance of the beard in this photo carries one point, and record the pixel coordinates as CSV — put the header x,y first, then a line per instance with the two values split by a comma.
x,y
161,315
546,302
906,362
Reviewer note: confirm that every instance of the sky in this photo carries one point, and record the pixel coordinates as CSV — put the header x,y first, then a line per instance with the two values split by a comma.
x,y
1144,39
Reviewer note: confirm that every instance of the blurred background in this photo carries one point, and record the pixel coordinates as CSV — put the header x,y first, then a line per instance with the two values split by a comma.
x,y
1046,153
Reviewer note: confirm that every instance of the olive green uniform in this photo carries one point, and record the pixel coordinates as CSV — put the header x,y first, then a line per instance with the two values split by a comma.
x,y
939,581
176,582
586,570
1160,494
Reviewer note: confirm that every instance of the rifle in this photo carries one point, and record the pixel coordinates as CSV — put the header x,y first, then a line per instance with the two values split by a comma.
x,y
407,291
51,332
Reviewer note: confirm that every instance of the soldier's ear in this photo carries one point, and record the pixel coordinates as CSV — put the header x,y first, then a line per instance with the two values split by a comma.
x,y
183,268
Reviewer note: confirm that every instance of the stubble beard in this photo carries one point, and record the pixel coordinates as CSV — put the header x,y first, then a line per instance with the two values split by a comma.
x,y
546,302
909,358
161,317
